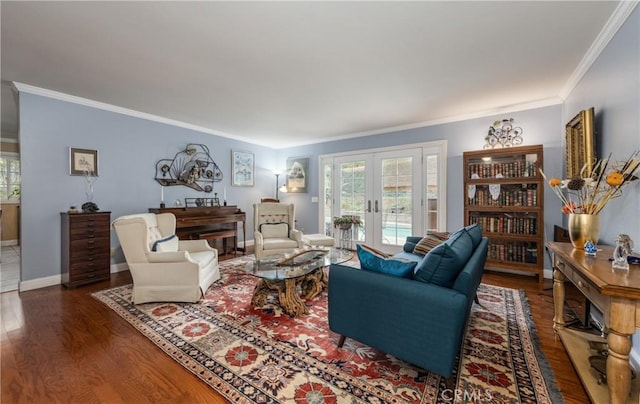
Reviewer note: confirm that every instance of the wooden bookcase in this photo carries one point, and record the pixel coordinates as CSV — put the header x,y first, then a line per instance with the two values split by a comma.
x,y
504,194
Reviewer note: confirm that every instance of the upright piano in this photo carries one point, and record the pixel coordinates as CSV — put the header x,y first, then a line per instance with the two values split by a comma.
x,y
217,224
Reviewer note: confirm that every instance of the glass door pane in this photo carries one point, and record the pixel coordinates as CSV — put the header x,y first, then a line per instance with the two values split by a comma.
x,y
352,180
432,192
397,200
327,224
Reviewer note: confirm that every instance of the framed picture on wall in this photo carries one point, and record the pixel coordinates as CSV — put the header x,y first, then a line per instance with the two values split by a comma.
x,y
242,168
297,174
83,161
580,144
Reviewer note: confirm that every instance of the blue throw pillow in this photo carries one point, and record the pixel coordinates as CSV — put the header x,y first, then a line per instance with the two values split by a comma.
x,y
410,244
444,262
475,232
373,260
462,244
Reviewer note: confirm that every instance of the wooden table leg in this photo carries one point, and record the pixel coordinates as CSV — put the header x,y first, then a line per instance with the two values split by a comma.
x,y
558,300
622,316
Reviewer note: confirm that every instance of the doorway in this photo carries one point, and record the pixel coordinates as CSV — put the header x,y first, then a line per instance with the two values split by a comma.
x,y
9,191
393,193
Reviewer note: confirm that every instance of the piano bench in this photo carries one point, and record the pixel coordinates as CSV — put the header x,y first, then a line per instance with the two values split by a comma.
x,y
224,235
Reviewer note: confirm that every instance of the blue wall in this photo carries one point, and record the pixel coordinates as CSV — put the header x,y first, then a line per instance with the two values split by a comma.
x,y
541,126
612,86
128,149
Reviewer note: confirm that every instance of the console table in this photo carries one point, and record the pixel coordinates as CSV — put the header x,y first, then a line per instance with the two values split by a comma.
x,y
209,223
616,293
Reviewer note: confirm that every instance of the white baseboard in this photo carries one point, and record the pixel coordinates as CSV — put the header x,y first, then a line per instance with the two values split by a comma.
x,y
40,283
546,273
6,243
57,279
120,267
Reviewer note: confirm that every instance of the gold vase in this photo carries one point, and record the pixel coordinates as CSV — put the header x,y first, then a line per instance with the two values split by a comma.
x,y
583,227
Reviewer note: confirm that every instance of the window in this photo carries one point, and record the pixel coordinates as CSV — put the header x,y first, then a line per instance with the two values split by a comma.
x,y
9,177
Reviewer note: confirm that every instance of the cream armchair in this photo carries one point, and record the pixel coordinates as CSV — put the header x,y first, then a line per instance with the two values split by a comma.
x,y
274,232
164,268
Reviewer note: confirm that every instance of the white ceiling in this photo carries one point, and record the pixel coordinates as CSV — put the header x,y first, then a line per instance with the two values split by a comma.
x,y
289,73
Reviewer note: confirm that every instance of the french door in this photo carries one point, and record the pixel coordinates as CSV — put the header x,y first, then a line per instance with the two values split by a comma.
x,y
385,190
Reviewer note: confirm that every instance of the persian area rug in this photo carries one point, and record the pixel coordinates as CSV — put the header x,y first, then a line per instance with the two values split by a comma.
x,y
261,355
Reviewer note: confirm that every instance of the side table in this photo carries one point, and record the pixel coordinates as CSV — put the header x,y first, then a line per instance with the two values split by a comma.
x,y
616,293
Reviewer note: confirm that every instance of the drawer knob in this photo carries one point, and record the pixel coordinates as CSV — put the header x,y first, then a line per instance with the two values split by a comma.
x,y
583,285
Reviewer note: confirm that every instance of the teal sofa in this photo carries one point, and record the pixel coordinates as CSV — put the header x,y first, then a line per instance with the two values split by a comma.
x,y
421,319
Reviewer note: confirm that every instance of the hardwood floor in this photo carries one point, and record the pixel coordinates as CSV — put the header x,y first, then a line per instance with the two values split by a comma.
x,y
61,345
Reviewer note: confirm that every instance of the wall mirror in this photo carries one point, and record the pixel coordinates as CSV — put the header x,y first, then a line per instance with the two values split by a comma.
x,y
580,144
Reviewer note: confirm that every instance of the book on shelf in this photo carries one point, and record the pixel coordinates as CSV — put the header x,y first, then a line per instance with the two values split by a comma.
x,y
516,169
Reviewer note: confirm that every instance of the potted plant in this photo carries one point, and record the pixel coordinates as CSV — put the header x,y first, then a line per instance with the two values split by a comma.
x,y
345,222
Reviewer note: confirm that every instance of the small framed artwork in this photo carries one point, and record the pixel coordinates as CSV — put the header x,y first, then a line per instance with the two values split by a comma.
x,y
297,174
242,168
83,161
580,145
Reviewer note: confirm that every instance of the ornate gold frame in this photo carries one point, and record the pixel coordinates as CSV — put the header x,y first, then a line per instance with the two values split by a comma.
x,y
580,144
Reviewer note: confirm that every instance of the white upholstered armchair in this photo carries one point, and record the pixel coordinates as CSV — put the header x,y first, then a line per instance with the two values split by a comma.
x,y
274,232
164,268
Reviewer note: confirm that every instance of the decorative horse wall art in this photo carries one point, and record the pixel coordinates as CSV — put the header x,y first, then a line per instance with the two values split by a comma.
x,y
193,167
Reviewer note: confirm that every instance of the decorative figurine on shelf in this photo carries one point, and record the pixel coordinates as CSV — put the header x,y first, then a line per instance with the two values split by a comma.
x,y
89,207
215,201
624,247
590,249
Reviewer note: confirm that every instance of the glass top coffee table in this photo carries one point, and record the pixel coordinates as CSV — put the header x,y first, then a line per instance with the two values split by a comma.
x,y
283,273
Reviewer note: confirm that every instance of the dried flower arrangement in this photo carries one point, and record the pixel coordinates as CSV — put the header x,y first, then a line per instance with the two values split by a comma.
x,y
589,195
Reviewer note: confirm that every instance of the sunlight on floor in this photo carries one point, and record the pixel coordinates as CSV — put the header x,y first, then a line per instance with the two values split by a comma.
x,y
9,268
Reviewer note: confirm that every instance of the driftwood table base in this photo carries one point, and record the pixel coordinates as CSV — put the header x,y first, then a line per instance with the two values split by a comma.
x,y
291,302
314,283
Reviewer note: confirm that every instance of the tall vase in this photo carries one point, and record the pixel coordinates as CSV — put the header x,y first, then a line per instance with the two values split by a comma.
x,y
583,227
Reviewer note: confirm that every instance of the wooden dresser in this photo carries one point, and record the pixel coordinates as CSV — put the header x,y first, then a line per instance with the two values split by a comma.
x,y
86,247
616,293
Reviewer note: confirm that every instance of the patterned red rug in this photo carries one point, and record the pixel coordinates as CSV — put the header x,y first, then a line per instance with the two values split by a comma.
x,y
262,355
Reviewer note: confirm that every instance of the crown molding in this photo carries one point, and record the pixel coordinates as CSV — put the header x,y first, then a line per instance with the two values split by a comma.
x,y
619,16
456,118
27,88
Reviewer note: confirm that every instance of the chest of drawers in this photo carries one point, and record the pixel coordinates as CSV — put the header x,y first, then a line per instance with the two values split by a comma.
x,y
85,247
